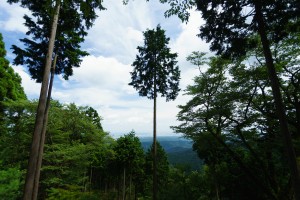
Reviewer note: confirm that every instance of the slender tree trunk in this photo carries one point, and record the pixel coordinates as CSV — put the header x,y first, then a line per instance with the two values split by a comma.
x,y
124,182
241,164
43,136
216,182
280,109
35,145
297,106
84,182
154,145
119,186
130,184
91,175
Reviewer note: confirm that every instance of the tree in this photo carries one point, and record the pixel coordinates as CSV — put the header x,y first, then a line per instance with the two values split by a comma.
x,y
230,27
72,33
130,155
17,122
10,82
232,104
75,146
11,91
162,167
155,71
197,58
10,183
76,149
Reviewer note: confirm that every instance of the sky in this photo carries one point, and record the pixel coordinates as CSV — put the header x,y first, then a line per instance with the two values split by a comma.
x,y
102,79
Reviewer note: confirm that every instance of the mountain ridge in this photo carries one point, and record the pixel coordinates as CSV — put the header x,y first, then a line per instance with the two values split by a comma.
x,y
179,151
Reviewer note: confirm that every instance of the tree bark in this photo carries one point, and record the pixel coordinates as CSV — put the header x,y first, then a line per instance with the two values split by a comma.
x,y
35,145
124,182
43,136
154,144
130,184
280,109
91,175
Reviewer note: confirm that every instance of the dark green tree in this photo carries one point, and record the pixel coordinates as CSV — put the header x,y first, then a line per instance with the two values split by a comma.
x,y
10,82
230,27
129,155
10,183
93,114
162,168
232,104
11,91
75,149
75,146
43,31
154,72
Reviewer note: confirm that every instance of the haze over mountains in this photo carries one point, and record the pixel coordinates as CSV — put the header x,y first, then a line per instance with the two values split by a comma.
x,y
179,150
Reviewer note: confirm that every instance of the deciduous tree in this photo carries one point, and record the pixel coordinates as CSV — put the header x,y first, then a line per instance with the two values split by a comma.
x,y
230,27
130,155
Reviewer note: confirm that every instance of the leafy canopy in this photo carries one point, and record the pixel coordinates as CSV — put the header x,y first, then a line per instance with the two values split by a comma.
x,y
229,24
10,82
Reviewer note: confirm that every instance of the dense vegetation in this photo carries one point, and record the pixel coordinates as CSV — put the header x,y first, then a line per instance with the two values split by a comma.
x,y
243,118
81,160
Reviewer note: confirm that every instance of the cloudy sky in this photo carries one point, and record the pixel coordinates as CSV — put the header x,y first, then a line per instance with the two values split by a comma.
x,y
102,80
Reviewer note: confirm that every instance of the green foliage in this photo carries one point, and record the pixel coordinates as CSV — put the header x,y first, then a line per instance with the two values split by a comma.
x,y
155,69
10,181
129,151
130,155
72,192
18,121
231,119
229,25
74,19
75,147
10,82
162,167
180,8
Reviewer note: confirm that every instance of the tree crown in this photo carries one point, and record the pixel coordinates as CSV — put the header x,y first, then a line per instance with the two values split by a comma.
x,y
155,69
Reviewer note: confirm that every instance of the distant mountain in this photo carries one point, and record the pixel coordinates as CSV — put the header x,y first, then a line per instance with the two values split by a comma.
x,y
179,151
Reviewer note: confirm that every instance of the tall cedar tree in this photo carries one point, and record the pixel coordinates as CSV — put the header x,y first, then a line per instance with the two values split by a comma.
x,y
155,71
71,33
230,25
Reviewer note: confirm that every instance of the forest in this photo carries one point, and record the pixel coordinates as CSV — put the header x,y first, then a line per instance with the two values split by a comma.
x,y
242,116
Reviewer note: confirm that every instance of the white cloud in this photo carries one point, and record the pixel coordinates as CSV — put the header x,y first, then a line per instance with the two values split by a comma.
x,y
188,41
31,88
12,17
103,72
119,30
102,80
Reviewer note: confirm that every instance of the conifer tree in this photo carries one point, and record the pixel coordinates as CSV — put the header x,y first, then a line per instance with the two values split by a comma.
x,y
154,72
51,15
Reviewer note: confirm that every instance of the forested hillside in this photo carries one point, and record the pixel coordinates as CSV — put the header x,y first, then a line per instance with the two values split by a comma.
x,y
179,151
81,160
239,119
